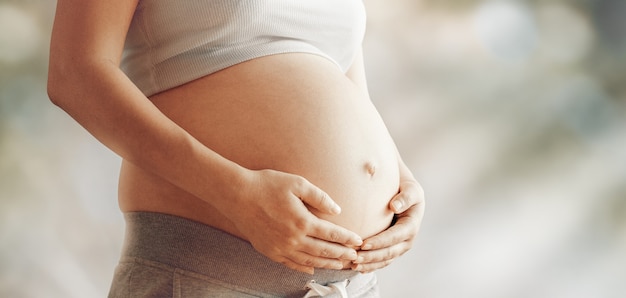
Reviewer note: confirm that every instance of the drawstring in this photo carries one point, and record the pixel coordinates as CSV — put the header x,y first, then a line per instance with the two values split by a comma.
x,y
318,290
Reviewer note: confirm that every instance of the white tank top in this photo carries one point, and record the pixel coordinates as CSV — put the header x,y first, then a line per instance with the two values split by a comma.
x,y
172,42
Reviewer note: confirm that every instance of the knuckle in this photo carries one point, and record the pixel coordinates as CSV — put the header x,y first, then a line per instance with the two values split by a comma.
x,y
300,182
325,199
344,253
334,236
324,253
320,198
389,254
368,268
292,242
375,242
302,224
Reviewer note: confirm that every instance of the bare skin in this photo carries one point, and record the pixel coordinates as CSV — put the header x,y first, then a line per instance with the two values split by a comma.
x,y
214,155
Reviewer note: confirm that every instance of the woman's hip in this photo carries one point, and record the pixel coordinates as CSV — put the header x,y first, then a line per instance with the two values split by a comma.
x,y
166,255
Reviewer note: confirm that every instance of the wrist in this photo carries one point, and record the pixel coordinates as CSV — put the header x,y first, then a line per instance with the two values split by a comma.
x,y
232,189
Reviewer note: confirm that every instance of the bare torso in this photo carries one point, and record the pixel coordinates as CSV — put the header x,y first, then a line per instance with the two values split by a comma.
x,y
296,113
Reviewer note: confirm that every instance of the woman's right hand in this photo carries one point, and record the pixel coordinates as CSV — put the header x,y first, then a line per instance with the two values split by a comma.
x,y
274,217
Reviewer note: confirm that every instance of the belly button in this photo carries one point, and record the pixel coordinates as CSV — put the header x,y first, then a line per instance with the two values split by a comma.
x,y
370,168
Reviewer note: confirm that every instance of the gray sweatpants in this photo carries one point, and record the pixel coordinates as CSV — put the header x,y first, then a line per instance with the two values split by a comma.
x,y
170,256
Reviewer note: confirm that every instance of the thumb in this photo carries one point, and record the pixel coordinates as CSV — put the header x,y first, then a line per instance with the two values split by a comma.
x,y
411,193
398,204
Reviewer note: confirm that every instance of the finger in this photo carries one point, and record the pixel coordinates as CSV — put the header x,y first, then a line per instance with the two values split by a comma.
x,y
316,198
330,232
384,254
367,268
402,231
328,250
411,193
307,260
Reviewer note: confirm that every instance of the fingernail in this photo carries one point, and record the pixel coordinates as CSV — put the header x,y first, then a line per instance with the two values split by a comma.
x,y
359,260
397,205
366,247
336,209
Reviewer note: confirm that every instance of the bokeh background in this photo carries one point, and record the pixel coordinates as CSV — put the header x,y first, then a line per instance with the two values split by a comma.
x,y
512,114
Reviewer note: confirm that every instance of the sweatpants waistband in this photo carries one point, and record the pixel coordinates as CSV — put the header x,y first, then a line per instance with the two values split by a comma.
x,y
196,247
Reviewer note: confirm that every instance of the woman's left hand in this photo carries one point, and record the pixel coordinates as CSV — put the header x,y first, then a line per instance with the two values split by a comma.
x,y
380,250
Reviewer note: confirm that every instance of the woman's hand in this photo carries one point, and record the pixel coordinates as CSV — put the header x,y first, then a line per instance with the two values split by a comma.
x,y
380,250
275,219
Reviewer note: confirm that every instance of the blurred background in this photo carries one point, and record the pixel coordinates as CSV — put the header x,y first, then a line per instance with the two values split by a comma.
x,y
512,115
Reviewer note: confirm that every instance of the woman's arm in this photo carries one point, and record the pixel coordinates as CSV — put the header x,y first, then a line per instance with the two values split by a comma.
x,y
380,250
85,81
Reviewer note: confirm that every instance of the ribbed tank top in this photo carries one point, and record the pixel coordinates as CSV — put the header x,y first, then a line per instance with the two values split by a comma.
x,y
170,43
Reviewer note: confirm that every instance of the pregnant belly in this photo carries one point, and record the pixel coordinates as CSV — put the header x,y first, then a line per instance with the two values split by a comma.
x,y
295,113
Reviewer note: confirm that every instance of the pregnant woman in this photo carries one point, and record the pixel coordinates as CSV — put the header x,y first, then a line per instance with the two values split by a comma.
x,y
252,153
